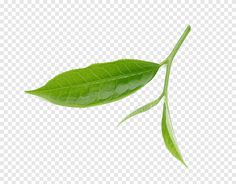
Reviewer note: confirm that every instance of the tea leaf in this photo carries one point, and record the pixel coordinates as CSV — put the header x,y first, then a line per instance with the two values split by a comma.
x,y
168,134
106,82
98,83
142,109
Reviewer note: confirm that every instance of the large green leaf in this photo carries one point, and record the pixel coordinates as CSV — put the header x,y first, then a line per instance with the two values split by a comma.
x,y
98,83
168,134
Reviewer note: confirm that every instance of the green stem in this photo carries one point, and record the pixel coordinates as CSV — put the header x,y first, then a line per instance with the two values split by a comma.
x,y
163,62
171,57
179,43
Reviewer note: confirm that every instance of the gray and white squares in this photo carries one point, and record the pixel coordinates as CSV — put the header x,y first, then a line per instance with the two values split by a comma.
x,y
44,143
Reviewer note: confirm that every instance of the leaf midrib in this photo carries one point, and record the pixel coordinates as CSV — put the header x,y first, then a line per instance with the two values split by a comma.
x,y
122,76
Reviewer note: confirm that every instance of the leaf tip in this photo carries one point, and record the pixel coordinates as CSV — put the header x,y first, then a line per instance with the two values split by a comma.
x,y
120,122
183,162
32,92
28,91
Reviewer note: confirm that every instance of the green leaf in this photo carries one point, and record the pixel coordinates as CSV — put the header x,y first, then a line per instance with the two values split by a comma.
x,y
98,83
142,109
168,134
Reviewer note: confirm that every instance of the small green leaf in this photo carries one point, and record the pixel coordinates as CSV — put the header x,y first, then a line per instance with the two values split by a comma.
x,y
98,83
168,134
142,109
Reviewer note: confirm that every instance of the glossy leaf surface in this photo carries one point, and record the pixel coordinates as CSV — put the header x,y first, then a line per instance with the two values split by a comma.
x,y
98,83
168,134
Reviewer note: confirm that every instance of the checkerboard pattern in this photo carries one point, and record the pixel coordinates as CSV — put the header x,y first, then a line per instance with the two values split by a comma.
x,y
44,143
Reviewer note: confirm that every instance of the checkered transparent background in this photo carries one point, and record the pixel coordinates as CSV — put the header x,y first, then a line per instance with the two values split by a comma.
x,y
44,143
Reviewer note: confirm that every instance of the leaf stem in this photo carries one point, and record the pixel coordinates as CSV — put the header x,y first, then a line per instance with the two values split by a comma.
x,y
171,57
168,62
163,62
179,43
